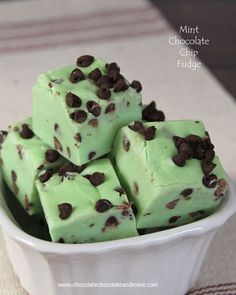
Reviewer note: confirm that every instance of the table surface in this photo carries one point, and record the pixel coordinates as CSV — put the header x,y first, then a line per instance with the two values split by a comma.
x,y
216,21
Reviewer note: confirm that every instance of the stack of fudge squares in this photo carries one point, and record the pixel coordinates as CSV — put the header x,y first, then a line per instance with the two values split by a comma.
x,y
101,166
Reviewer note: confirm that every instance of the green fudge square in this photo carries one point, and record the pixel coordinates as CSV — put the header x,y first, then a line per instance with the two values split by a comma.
x,y
170,171
79,109
23,156
86,206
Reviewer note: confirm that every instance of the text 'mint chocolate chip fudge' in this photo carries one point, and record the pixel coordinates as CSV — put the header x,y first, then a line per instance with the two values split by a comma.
x,y
78,109
163,173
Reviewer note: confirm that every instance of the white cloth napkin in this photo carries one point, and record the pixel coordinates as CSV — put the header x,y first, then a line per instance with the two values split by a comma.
x,y
38,35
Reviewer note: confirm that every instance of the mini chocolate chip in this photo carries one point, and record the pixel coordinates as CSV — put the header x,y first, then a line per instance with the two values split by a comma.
x,y
111,221
56,127
125,213
45,176
13,176
149,133
136,188
137,127
126,143
197,214
104,80
112,66
73,100
186,149
79,116
93,122
178,140
87,176
210,181
114,75
209,155
26,132
134,208
3,135
97,178
95,74
91,155
57,144
193,140
50,85
110,108
172,204
77,137
28,204
91,225
198,152
61,241
104,92
150,113
179,159
103,205
120,85
76,76
136,85
20,151
65,210
186,193
85,60
207,166
51,156
69,167
173,219
93,108
119,190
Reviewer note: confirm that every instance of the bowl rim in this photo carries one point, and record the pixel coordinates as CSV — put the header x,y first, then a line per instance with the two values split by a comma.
x,y
197,228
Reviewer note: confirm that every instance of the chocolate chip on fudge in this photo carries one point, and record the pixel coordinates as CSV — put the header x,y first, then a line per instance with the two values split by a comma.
x,y
76,76
26,132
65,210
79,116
45,176
151,114
73,100
136,85
51,155
103,205
85,60
95,74
93,108
104,92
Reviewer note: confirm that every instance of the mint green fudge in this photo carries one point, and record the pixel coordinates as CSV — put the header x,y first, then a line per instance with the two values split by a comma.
x,y
23,156
170,171
86,204
79,109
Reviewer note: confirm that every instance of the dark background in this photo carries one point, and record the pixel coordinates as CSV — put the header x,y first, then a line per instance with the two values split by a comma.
x,y
216,20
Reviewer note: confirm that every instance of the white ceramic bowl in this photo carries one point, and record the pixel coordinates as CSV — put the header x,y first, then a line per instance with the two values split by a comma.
x,y
171,259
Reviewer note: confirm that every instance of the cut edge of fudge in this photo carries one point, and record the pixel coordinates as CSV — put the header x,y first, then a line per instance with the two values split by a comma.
x,y
85,108
154,180
106,211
